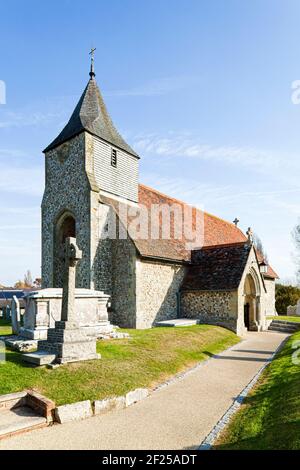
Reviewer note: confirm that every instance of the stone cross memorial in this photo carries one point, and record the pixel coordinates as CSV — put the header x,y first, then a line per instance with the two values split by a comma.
x,y
67,341
72,256
7,312
15,315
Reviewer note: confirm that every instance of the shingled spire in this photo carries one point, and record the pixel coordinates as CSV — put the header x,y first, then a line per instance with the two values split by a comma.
x,y
91,115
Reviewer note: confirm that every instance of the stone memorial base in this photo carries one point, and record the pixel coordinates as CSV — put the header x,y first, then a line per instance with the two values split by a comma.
x,y
67,342
39,358
43,309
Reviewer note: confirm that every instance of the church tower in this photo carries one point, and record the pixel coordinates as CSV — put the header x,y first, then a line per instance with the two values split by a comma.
x,y
89,159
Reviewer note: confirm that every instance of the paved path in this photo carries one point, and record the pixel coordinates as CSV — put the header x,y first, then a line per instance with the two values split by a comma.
x,y
178,416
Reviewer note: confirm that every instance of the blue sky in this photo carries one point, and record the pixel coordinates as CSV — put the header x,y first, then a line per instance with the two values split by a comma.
x,y
200,88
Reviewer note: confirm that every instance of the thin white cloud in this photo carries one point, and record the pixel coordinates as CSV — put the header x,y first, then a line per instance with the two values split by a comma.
x,y
12,153
158,87
208,195
20,227
282,169
58,108
39,113
26,211
185,145
188,190
23,119
22,180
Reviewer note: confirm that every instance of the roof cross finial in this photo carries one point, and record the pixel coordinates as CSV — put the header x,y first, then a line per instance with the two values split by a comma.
x,y
249,234
92,52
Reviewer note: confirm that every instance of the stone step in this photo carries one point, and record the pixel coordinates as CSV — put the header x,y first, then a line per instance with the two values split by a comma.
x,y
177,322
12,400
283,329
18,420
294,325
284,326
39,358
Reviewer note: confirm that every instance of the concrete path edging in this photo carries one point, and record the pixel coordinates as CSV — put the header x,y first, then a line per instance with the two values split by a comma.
x,y
86,409
208,442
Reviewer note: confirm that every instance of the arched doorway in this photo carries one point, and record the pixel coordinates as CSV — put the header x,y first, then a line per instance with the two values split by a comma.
x,y
65,227
252,317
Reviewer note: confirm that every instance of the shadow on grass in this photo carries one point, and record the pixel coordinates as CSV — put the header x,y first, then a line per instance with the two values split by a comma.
x,y
287,438
16,358
254,351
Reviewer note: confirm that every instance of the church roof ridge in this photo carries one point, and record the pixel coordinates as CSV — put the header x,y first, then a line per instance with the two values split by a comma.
x,y
223,245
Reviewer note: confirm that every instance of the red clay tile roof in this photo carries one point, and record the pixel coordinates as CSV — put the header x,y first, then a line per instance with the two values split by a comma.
x,y
216,231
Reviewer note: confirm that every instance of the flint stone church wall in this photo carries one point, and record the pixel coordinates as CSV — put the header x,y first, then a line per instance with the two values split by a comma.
x,y
211,307
157,288
102,259
67,187
123,304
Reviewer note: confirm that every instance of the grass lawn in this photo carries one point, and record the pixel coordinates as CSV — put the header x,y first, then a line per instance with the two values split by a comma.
x,y
269,419
147,358
285,318
5,327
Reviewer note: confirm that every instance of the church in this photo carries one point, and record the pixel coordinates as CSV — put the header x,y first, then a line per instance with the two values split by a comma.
x,y
92,180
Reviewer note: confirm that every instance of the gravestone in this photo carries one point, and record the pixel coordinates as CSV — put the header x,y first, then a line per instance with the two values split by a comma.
x,y
67,341
15,315
294,309
7,313
43,308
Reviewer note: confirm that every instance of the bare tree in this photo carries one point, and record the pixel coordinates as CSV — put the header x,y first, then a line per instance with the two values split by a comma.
x,y
259,246
28,279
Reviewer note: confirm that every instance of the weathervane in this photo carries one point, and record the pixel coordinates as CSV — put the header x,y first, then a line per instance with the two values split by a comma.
x,y
92,52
